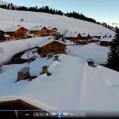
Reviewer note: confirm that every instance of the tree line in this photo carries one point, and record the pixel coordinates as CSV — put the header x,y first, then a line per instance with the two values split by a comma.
x,y
113,56
46,9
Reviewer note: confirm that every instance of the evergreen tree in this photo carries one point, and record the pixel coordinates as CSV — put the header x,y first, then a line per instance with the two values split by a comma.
x,y
113,56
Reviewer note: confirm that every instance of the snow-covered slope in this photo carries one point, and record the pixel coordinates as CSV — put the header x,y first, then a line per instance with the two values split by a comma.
x,y
10,18
73,85
90,51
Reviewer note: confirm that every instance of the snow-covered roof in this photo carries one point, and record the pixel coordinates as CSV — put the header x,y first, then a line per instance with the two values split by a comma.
x,y
34,28
12,28
47,41
91,50
28,100
73,85
71,34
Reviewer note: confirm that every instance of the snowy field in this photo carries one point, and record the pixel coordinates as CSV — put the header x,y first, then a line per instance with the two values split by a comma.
x,y
90,51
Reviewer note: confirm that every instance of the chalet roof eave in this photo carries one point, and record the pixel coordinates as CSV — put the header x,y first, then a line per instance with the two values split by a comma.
x,y
50,41
32,102
12,30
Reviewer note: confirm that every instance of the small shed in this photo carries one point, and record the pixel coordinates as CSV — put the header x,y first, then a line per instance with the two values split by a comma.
x,y
23,74
45,71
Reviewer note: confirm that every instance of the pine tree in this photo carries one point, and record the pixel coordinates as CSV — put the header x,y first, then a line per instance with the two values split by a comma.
x,y
113,56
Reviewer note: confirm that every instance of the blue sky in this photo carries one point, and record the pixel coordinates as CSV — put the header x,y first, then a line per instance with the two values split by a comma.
x,y
101,10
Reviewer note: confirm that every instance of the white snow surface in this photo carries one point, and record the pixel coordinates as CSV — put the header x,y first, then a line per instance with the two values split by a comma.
x,y
73,85
90,51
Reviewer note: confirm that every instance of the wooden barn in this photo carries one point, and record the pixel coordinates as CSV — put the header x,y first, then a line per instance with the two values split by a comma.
x,y
2,38
51,46
35,30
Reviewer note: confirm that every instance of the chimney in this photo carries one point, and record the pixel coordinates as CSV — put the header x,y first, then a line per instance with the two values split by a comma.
x,y
45,71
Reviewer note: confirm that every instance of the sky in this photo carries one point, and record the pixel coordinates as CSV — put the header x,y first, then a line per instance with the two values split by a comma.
x,y
101,10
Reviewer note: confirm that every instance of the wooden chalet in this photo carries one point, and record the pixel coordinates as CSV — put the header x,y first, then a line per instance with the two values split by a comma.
x,y
20,33
40,32
74,39
52,46
81,39
85,38
44,32
20,109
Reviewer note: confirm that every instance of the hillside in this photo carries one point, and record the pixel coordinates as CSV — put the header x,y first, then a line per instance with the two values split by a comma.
x,y
90,51
12,18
